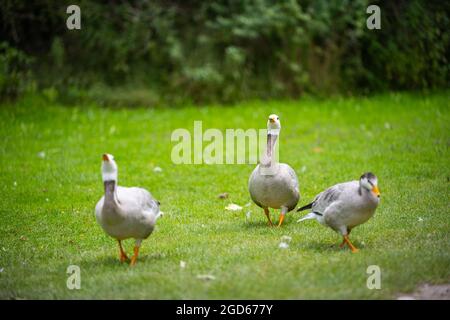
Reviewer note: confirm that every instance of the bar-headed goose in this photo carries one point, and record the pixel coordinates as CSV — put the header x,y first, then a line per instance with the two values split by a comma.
x,y
272,184
125,212
345,205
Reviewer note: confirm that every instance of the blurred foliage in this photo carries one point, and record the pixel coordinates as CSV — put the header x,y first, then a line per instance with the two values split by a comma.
x,y
15,74
222,50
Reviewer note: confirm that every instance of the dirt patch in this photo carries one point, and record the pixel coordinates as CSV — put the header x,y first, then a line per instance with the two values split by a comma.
x,y
428,292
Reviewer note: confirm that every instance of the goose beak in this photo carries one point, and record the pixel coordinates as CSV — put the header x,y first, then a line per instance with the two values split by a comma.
x,y
105,157
376,191
272,120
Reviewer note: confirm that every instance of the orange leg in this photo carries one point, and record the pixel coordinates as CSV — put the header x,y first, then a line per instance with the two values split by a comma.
x,y
343,241
123,256
135,256
282,215
352,247
266,211
281,219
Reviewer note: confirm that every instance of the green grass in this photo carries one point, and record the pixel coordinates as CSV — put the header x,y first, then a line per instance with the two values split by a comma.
x,y
47,204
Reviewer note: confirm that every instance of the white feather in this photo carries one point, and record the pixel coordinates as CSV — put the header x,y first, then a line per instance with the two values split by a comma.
x,y
309,216
109,176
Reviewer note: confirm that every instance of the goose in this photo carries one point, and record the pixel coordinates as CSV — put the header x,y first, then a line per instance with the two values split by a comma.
x,y
272,184
125,212
345,206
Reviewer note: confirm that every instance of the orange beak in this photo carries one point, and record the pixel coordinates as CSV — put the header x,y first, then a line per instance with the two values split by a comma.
x,y
105,157
376,191
272,120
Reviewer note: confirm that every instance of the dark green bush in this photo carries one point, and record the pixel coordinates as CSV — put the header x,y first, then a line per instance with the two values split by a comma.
x,y
15,74
225,50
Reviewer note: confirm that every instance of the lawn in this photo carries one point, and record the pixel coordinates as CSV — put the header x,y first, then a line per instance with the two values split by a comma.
x,y
50,182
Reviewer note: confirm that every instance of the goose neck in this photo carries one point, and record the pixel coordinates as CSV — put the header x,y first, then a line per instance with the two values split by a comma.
x,y
271,141
111,192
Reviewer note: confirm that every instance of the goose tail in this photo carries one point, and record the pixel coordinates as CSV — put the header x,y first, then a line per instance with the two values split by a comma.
x,y
308,206
311,215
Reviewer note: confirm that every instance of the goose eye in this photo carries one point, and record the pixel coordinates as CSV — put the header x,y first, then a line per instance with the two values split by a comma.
x,y
278,118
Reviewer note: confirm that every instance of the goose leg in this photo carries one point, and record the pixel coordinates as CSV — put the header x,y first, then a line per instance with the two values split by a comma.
x,y
136,252
343,241
123,256
282,215
266,211
352,247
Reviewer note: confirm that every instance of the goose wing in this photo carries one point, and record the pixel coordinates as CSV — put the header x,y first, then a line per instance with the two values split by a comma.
x,y
294,188
293,178
136,200
141,212
324,199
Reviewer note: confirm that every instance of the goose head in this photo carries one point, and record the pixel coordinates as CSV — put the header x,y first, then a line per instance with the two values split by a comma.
x,y
273,130
369,182
273,124
109,168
